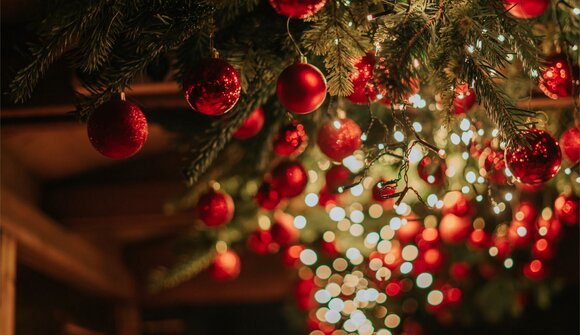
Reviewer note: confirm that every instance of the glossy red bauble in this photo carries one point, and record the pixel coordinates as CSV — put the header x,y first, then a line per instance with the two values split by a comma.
x,y
267,197
339,138
117,129
212,87
570,144
432,170
301,88
337,176
291,140
382,190
225,266
215,208
526,9
536,162
556,80
251,126
464,99
289,179
454,229
362,81
566,209
297,9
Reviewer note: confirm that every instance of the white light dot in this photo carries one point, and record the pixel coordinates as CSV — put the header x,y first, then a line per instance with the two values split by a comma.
x,y
299,222
332,316
508,263
399,137
375,211
308,257
435,297
357,216
465,124
357,190
311,199
432,200
417,126
508,196
470,177
353,164
357,229
455,139
410,252
465,189
322,296
395,223
465,156
373,238
336,124
424,280
406,267
479,198
403,209
336,304
337,213
430,179
521,231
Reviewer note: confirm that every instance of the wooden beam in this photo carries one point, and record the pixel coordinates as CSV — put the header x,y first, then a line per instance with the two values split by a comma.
x,y
7,282
51,249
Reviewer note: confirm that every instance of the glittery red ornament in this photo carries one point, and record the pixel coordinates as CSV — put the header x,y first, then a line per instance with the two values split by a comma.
x,y
260,242
410,228
212,87
291,255
492,164
251,126
526,9
432,170
292,140
464,99
225,266
570,144
339,138
267,197
215,208
455,202
453,228
364,89
556,78
479,239
337,176
283,230
297,9
382,189
566,209
535,270
536,162
301,88
117,129
289,179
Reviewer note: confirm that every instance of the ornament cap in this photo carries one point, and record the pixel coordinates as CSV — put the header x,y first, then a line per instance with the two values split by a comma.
x,y
214,53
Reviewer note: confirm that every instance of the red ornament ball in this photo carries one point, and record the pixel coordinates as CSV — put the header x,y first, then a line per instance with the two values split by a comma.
x,y
432,170
409,230
464,99
339,138
454,229
225,266
251,126
267,197
337,176
570,144
117,129
292,140
283,230
215,208
212,87
455,202
297,9
382,189
536,162
566,209
526,9
556,78
301,88
289,179
364,89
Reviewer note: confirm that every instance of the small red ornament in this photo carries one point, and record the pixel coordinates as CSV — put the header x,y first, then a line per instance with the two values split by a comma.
x,y
409,230
292,140
535,270
570,144
526,9
536,162
225,266
251,126
339,138
291,255
301,88
455,202
566,209
364,89
267,197
393,288
492,163
212,87
382,189
297,9
117,129
556,80
432,170
283,230
337,176
464,99
261,242
453,228
215,208
289,179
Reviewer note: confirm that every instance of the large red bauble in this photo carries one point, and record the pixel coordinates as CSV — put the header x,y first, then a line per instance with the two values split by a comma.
x,y
566,209
289,179
570,144
225,266
298,9
455,202
292,140
453,228
432,170
301,88
382,189
117,129
556,80
338,139
525,9
464,99
267,197
251,126
408,231
337,176
215,208
364,89
212,87
283,230
536,162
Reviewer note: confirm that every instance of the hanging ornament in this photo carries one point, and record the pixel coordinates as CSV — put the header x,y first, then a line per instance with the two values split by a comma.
x,y
283,230
454,229
526,9
455,202
297,9
566,209
382,190
251,126
364,89
225,266
536,162
215,208
492,164
212,87
292,140
464,99
267,197
570,144
117,129
337,176
260,242
432,170
289,179
556,78
339,138
301,88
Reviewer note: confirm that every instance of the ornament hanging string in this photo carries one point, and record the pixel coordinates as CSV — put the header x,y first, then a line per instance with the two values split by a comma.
x,y
300,54
212,29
